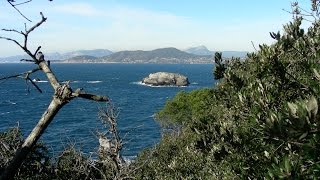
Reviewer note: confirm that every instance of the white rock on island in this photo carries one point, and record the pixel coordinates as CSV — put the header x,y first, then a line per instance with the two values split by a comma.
x,y
166,79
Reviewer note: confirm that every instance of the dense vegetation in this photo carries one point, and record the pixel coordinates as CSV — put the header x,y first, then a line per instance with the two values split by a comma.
x,y
259,121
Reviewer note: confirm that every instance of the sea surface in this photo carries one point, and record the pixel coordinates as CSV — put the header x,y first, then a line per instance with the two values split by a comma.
x,y
77,122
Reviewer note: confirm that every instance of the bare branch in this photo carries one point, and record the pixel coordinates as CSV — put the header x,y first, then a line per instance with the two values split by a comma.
x,y
93,97
22,3
9,39
34,84
38,24
37,51
111,142
12,30
254,47
25,76
27,60
21,74
28,89
14,6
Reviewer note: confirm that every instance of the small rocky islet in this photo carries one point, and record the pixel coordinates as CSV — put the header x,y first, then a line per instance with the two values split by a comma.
x,y
166,79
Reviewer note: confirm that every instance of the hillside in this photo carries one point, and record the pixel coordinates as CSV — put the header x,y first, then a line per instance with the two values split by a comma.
x,y
199,50
203,50
163,55
195,55
94,52
81,59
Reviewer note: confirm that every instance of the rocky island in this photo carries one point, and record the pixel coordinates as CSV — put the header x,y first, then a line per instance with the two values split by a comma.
x,y
166,79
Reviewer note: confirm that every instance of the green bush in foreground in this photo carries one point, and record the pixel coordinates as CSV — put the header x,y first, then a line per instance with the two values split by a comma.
x,y
260,121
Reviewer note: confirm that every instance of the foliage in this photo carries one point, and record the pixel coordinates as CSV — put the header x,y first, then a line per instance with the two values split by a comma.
x,y
220,67
260,121
73,164
36,166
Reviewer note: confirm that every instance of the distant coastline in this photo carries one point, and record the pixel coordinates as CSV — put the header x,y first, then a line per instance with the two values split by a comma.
x,y
196,55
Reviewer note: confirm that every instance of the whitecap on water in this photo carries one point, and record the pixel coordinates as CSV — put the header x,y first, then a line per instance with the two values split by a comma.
x,y
137,83
90,82
93,82
39,81
10,102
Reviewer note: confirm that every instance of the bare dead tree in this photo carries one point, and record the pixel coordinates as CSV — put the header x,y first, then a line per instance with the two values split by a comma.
x,y
110,143
63,94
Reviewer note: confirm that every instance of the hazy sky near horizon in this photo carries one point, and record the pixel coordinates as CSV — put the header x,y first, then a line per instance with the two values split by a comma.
x,y
146,24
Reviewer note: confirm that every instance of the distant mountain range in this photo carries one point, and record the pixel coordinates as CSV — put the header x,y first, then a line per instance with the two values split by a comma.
x,y
163,55
62,56
199,50
202,50
199,55
96,53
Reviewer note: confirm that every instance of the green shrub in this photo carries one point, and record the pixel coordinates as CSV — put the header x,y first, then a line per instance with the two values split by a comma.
x,y
37,164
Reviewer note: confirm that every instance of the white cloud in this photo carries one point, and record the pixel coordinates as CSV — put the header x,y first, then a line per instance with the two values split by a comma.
x,y
121,14
115,27
146,17
81,9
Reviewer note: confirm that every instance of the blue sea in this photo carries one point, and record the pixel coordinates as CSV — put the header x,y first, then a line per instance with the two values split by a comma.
x,y
78,121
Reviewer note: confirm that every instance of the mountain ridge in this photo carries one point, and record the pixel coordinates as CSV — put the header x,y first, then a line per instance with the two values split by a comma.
x,y
199,50
203,50
200,54
56,56
162,55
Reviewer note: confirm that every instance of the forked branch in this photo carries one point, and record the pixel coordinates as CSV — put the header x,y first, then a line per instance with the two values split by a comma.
x,y
24,46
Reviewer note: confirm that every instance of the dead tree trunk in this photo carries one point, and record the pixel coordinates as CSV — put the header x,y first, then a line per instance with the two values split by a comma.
x,y
62,95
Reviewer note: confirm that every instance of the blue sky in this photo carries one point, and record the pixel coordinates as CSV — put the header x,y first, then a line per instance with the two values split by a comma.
x,y
146,24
